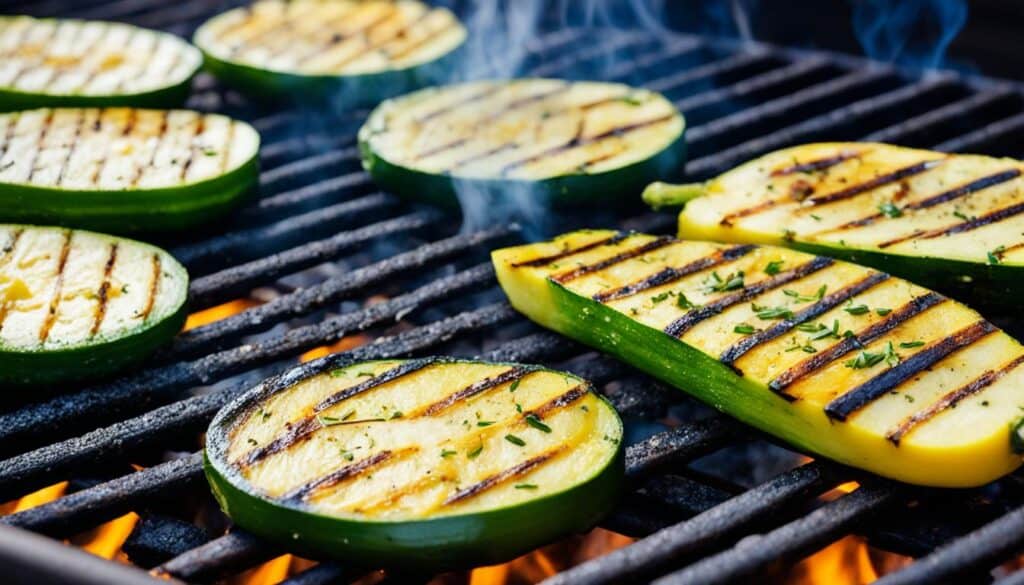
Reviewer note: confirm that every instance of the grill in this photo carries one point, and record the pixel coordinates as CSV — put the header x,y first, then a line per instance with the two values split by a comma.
x,y
320,243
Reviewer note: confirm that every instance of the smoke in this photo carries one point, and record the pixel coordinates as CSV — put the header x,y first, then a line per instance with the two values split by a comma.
x,y
914,33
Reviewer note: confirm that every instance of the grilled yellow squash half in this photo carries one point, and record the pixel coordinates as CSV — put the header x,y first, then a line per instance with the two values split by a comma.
x,y
548,139
79,305
954,222
354,51
837,359
123,169
417,463
59,62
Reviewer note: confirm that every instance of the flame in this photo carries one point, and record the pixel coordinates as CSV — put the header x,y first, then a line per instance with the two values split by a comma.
x,y
107,539
37,498
270,572
207,316
844,562
345,343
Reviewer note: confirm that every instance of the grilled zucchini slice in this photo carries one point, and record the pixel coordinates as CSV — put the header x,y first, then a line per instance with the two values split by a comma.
x,y
353,51
123,169
79,305
56,62
952,222
567,142
426,463
837,359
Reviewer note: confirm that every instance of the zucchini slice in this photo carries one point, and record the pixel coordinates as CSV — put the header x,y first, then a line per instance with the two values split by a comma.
x,y
837,359
57,62
567,142
350,50
123,169
78,305
425,463
952,222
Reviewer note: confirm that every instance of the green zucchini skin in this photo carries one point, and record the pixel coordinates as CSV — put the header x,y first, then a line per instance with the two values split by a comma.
x,y
131,211
336,90
168,97
442,543
615,187
97,358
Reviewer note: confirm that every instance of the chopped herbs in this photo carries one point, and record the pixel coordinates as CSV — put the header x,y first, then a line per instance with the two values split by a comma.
x,y
996,256
826,332
810,327
800,298
684,303
911,344
519,407
889,209
475,452
773,267
716,283
514,385
347,455
865,360
744,328
484,423
446,453
515,440
771,313
526,486
856,309
397,414
533,421
659,297
630,100
908,398
330,421
882,311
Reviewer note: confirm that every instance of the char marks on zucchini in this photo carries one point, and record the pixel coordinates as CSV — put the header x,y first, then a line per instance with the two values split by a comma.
x,y
90,59
868,360
344,37
412,439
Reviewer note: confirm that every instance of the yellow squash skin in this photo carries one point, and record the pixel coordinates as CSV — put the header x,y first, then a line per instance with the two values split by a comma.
x,y
922,389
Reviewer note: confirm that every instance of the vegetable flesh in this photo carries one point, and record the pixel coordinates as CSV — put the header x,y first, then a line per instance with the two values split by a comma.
x,y
51,62
921,389
123,168
941,219
79,304
291,47
421,447
573,141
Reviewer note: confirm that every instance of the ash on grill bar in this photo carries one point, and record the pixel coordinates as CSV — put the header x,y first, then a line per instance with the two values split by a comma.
x,y
339,391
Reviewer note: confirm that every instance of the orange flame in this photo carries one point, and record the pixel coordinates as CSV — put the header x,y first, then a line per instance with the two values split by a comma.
x,y
270,572
844,562
207,316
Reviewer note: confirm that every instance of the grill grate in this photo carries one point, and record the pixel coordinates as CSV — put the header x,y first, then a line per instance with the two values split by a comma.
x,y
318,207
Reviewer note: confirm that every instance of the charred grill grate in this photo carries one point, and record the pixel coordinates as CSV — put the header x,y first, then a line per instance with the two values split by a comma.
x,y
318,207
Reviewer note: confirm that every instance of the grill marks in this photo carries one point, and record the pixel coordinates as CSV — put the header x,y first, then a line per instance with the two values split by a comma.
x,y
944,197
545,260
334,478
103,293
852,401
58,286
829,302
958,228
683,324
391,375
154,288
40,143
951,399
91,57
673,274
284,35
849,192
6,253
879,328
506,377
501,477
561,401
816,165
579,141
656,244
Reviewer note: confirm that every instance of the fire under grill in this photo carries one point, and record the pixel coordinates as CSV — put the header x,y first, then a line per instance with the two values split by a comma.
x,y
323,259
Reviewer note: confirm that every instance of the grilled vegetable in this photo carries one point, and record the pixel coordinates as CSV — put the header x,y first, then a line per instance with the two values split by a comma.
x,y
953,222
52,62
123,169
570,142
350,50
834,358
78,305
426,463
